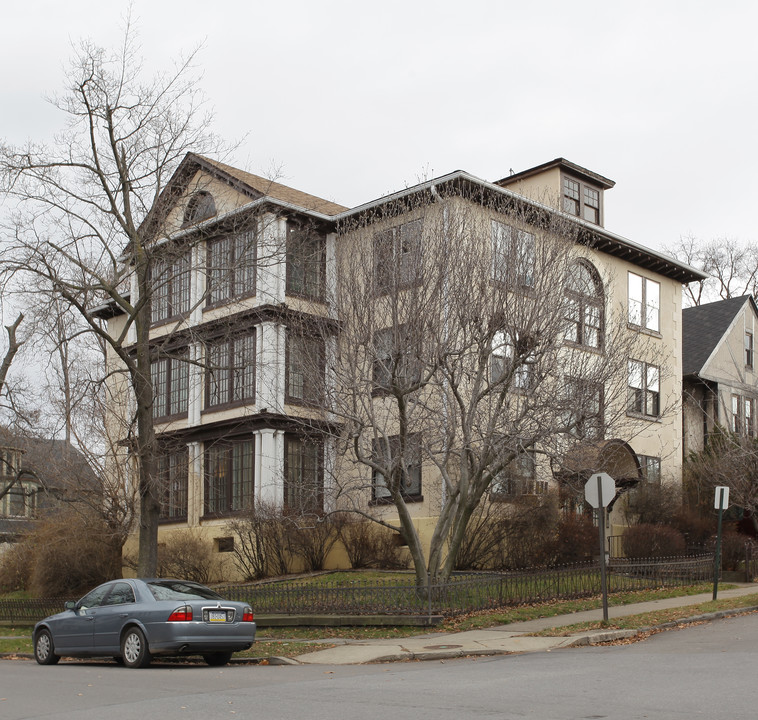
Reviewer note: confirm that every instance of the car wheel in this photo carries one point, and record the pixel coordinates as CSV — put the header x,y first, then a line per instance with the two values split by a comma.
x,y
43,648
218,658
134,650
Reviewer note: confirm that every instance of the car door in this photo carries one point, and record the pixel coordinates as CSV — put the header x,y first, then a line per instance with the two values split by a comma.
x,y
74,632
110,617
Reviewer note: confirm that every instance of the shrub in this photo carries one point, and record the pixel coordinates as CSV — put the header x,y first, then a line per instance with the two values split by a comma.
x,y
647,541
70,553
266,538
696,528
369,546
311,539
531,532
512,535
652,504
484,546
577,539
185,555
15,568
732,549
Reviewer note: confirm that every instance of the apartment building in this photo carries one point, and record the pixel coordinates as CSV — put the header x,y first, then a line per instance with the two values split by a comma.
x,y
249,339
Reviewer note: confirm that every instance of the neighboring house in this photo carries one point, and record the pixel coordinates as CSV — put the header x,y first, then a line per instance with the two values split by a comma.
x,y
248,266
38,474
719,373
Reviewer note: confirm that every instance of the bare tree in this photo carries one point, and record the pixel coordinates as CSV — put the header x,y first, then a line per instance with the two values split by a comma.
x,y
455,354
732,268
730,460
88,212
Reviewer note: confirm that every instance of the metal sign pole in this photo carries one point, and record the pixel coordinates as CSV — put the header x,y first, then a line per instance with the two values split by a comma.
x,y
601,525
717,557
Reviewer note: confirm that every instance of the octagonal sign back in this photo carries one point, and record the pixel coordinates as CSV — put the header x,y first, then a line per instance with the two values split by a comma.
x,y
608,486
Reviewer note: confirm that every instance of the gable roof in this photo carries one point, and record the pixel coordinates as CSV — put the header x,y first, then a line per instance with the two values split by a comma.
x,y
56,464
254,186
703,327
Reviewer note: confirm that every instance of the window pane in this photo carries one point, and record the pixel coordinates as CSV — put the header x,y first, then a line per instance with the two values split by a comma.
x,y
303,485
242,475
244,367
159,372
652,300
635,299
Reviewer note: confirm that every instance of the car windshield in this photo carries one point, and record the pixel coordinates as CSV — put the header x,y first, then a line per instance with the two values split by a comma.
x,y
181,590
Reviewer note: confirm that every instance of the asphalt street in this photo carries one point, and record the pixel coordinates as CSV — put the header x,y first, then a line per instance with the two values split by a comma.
x,y
704,671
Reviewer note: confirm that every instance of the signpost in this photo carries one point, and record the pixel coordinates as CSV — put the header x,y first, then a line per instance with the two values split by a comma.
x,y
720,502
599,490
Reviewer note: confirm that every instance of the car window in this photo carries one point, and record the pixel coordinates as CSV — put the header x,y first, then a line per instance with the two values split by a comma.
x,y
94,598
121,593
181,590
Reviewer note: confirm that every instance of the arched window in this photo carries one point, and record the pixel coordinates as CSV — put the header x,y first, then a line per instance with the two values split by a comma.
x,y
584,306
199,207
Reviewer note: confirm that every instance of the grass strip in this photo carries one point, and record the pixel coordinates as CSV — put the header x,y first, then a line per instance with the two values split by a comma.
x,y
655,618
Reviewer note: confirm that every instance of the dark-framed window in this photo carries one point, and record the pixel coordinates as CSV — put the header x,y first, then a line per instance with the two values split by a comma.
x,y
742,415
584,306
581,200
170,376
404,468
19,501
303,474
749,416
170,283
644,306
230,369
505,352
398,257
306,262
591,210
735,419
644,389
396,364
519,477
304,380
571,196
231,261
749,349
651,468
200,206
173,468
229,476
513,255
586,403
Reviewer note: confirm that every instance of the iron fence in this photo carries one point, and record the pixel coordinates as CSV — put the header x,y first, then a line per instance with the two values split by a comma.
x,y
463,593
466,593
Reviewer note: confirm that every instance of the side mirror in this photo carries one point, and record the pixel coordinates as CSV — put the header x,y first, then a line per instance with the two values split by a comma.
x,y
69,605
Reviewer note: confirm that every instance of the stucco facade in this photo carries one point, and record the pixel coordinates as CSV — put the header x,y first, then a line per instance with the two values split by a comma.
x,y
234,410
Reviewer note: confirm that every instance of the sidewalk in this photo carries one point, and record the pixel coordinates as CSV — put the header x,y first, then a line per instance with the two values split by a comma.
x,y
504,639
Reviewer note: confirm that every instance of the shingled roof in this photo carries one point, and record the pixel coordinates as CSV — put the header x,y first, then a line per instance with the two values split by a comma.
x,y
703,326
275,190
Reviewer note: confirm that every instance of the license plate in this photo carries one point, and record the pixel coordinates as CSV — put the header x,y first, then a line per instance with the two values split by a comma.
x,y
217,616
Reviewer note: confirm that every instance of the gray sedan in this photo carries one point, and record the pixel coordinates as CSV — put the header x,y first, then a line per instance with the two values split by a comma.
x,y
133,620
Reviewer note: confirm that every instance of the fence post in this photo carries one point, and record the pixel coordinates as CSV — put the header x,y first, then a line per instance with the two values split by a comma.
x,y
429,596
748,562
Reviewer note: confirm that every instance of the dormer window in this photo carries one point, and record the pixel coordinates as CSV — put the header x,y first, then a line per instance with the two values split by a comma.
x,y
581,200
199,207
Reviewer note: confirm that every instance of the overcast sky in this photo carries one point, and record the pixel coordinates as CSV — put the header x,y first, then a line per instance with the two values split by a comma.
x,y
353,100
